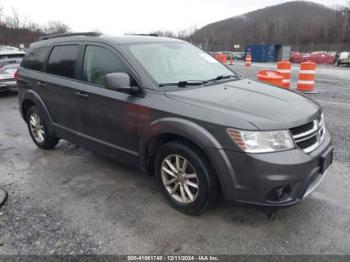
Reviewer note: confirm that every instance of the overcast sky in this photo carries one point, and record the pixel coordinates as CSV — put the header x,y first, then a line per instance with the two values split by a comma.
x,y
137,16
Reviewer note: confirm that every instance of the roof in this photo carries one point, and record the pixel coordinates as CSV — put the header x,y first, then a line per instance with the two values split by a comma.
x,y
124,39
130,39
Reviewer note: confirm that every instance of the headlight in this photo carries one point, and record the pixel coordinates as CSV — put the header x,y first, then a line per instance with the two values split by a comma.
x,y
261,142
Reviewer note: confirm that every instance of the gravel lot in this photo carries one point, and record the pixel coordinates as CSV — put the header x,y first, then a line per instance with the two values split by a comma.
x,y
73,201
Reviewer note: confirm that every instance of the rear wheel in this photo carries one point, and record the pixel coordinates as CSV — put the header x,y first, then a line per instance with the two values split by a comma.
x,y
185,178
38,130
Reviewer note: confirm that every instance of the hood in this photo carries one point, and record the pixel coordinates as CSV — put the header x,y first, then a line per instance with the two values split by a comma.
x,y
266,107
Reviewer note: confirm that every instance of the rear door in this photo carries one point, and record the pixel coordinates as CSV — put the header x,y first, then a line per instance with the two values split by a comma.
x,y
60,89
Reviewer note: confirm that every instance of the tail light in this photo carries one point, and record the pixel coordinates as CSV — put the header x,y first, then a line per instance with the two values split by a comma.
x,y
16,75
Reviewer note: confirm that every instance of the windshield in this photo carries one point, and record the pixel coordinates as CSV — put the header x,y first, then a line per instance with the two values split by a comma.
x,y
175,62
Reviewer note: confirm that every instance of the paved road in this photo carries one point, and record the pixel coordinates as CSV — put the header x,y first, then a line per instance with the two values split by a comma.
x,y
322,71
71,200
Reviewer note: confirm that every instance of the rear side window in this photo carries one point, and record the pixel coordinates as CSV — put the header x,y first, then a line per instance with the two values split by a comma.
x,y
36,59
98,62
62,60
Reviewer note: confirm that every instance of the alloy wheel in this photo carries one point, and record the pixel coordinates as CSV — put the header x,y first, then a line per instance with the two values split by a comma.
x,y
180,178
37,128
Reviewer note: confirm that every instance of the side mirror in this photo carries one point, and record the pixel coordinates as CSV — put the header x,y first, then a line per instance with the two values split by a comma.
x,y
120,82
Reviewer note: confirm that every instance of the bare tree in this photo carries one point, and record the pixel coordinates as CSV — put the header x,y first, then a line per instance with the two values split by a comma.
x,y
1,13
56,27
16,30
13,20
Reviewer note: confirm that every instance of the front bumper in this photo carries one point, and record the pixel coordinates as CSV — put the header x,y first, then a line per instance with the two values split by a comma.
x,y
278,179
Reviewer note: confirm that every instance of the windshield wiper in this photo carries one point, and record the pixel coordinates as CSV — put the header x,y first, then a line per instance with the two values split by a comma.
x,y
220,77
185,83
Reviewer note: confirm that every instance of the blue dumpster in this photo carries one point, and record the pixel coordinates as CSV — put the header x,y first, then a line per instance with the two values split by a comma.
x,y
261,53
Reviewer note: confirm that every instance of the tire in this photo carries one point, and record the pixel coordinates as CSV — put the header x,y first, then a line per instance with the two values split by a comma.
x,y
197,165
42,136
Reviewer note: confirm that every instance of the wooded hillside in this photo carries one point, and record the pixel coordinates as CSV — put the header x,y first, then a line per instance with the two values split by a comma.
x,y
294,23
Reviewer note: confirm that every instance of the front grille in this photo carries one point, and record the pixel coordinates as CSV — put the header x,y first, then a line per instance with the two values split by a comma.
x,y
307,143
309,136
301,129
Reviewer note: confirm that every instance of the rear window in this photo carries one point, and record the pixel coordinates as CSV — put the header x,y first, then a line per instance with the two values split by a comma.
x,y
62,60
16,56
36,59
11,66
11,56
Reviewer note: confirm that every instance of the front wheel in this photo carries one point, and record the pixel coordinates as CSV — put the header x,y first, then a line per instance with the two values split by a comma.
x,y
185,178
38,130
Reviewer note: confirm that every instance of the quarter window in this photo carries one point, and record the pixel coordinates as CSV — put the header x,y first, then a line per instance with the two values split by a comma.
x,y
98,62
36,59
63,60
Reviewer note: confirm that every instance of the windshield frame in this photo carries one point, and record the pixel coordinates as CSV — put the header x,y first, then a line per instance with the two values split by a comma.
x,y
126,48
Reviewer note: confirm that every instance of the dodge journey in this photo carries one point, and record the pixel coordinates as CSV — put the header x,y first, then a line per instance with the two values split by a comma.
x,y
171,109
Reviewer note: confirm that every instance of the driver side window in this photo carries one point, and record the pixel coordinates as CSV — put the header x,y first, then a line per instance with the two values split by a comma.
x,y
98,62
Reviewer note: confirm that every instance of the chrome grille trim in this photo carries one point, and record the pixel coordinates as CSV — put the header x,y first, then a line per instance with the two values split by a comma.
x,y
317,130
314,129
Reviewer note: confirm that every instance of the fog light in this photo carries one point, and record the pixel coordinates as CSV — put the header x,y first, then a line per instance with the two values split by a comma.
x,y
279,194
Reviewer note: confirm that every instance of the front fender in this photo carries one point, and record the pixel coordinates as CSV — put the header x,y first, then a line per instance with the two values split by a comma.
x,y
181,127
199,136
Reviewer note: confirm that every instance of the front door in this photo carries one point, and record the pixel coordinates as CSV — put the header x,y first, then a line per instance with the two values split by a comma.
x,y
108,117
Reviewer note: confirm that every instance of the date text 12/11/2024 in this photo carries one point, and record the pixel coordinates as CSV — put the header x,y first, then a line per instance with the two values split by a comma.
x,y
173,258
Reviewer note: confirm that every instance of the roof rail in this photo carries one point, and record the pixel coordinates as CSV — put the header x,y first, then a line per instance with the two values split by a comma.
x,y
156,35
46,37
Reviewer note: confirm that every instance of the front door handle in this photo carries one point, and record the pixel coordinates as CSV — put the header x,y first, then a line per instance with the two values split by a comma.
x,y
82,94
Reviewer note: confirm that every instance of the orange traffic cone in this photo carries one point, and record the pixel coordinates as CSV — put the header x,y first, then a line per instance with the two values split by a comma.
x,y
285,67
306,81
271,77
248,60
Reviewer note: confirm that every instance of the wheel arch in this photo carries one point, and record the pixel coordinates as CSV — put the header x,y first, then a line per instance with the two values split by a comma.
x,y
31,98
172,129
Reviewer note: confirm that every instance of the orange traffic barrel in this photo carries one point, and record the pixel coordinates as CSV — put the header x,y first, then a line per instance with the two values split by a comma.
x,y
284,67
306,81
271,77
248,60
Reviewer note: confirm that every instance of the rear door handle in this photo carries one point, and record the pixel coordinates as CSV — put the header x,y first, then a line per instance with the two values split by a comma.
x,y
42,84
82,94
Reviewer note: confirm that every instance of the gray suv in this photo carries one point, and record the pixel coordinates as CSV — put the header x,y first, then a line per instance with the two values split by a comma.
x,y
171,109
